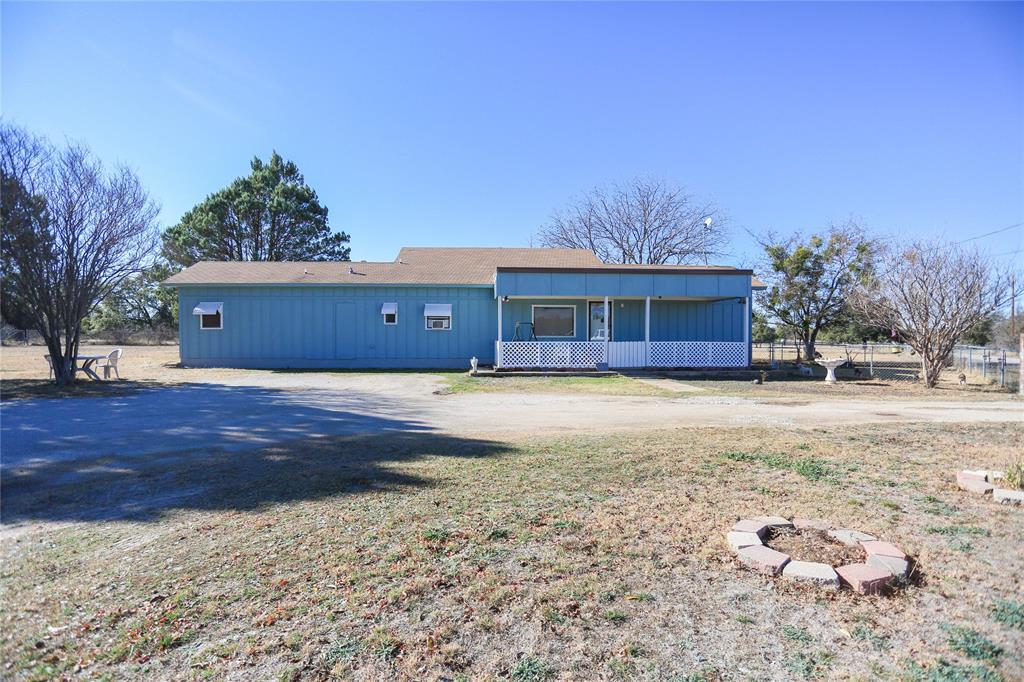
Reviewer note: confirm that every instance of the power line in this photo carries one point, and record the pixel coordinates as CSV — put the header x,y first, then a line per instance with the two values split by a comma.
x,y
898,239
989,234
1007,253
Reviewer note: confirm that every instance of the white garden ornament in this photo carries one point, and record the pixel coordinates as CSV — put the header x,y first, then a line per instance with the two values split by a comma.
x,y
830,365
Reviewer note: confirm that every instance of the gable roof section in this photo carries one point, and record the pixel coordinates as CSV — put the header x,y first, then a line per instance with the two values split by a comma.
x,y
414,265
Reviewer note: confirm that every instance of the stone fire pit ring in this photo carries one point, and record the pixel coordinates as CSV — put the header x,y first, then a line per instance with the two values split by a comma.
x,y
884,563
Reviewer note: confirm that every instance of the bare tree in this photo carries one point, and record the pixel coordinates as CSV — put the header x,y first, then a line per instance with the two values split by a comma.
x,y
929,295
643,222
71,233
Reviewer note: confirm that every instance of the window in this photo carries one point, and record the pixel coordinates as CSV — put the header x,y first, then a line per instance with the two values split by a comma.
x,y
390,313
554,320
210,321
438,316
211,315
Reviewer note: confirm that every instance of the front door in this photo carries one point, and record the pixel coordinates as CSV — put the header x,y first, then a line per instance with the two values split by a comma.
x,y
595,319
344,331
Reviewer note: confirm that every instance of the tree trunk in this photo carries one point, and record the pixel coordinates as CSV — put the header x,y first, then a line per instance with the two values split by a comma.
x,y
931,369
809,340
63,365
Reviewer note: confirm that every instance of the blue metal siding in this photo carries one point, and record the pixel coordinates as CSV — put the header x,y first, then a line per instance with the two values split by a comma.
x,y
339,326
696,321
630,284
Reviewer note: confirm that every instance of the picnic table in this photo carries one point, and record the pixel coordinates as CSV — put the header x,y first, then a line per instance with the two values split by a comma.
x,y
87,362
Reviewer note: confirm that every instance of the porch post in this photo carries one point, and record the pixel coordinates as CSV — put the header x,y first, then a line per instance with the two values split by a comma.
x,y
746,328
647,332
498,349
607,314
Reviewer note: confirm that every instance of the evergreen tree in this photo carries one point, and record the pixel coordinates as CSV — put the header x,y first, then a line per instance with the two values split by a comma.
x,y
269,215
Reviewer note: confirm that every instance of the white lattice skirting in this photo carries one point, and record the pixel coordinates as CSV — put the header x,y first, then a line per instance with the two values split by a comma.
x,y
698,354
551,354
587,354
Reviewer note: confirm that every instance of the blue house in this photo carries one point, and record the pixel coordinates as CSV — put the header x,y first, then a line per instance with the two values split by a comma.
x,y
438,307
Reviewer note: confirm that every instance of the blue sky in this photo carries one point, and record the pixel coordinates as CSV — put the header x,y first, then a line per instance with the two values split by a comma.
x,y
468,124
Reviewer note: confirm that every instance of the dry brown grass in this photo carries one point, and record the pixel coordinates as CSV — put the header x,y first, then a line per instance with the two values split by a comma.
x,y
422,557
803,387
23,374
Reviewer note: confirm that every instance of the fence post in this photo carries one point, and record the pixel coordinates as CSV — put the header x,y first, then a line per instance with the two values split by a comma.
x,y
1020,366
872,361
1002,369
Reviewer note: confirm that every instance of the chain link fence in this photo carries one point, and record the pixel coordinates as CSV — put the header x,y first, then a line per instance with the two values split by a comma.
x,y
897,362
991,364
10,336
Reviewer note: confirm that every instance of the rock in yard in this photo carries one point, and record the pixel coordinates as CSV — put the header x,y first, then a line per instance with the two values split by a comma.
x,y
864,579
896,567
1006,496
738,540
810,572
751,526
763,559
774,521
849,537
812,524
976,474
973,485
883,548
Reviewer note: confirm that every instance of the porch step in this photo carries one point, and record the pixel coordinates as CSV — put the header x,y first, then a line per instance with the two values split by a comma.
x,y
538,372
720,373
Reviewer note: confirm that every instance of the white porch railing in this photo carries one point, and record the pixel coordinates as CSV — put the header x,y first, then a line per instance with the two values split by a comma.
x,y
621,354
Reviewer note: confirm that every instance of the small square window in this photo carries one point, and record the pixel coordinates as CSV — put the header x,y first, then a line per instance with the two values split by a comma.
x,y
390,313
212,321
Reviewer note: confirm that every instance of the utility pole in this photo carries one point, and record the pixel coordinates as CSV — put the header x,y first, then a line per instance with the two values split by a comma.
x,y
1013,305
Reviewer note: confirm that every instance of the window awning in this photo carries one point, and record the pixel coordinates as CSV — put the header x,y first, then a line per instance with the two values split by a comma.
x,y
389,309
437,310
206,308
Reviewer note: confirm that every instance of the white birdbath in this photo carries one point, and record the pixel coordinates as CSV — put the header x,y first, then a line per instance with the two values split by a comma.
x,y
831,365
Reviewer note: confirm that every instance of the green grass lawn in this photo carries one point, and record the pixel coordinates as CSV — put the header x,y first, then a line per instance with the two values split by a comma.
x,y
602,385
429,557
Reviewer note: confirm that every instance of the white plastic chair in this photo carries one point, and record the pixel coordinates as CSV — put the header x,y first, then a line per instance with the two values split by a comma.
x,y
111,363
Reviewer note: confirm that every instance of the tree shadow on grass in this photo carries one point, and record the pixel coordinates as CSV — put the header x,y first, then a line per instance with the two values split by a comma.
x,y
26,389
145,488
208,446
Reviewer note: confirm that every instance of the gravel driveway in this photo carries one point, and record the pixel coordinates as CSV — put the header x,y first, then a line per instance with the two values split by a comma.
x,y
264,409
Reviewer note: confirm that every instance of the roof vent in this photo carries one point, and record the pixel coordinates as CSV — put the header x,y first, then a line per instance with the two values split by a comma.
x,y
401,262
305,271
351,270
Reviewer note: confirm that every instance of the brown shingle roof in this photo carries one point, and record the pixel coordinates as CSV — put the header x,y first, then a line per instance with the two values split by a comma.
x,y
414,265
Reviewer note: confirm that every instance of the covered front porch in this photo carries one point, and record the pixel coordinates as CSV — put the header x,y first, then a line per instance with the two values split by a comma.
x,y
637,332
